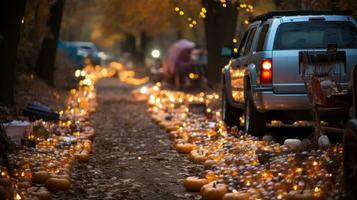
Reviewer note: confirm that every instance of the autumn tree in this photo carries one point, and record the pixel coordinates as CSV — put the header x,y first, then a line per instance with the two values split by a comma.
x,y
47,55
220,23
11,15
34,30
137,21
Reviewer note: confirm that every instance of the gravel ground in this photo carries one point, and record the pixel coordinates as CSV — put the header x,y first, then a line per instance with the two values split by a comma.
x,y
132,157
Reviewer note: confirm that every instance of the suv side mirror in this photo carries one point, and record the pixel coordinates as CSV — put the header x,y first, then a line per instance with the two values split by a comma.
x,y
229,52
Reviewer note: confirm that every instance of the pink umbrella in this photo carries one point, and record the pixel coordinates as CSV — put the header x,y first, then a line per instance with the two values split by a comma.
x,y
173,54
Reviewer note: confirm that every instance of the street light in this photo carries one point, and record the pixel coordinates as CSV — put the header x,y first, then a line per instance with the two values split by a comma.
x,y
155,53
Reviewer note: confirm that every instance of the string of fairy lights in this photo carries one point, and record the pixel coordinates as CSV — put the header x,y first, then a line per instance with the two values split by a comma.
x,y
192,22
240,6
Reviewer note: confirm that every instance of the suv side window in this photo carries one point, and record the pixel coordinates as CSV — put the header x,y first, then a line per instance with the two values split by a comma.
x,y
248,47
242,44
262,37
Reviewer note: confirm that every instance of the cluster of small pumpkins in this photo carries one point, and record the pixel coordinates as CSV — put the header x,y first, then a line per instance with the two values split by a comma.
x,y
239,166
43,163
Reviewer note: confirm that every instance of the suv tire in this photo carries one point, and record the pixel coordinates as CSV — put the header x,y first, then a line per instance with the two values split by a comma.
x,y
255,121
230,114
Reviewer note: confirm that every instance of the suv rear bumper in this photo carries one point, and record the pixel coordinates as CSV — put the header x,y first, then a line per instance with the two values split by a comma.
x,y
266,100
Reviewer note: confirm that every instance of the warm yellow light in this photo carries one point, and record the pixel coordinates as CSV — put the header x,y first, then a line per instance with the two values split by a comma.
x,y
177,9
190,25
193,76
83,73
77,73
194,22
181,13
316,189
224,5
298,170
17,197
235,50
246,22
155,53
235,40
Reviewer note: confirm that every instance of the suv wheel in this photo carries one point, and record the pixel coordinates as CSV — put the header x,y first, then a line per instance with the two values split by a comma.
x,y
254,122
230,114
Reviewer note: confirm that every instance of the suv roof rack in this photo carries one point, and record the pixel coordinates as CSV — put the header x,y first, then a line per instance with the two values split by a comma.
x,y
286,13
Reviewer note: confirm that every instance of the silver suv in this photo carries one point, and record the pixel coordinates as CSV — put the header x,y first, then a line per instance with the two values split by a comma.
x,y
263,79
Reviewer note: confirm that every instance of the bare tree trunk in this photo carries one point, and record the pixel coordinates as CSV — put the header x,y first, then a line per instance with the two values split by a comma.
x,y
220,26
11,15
47,56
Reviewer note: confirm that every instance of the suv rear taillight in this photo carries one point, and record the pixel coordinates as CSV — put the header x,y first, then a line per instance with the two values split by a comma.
x,y
266,74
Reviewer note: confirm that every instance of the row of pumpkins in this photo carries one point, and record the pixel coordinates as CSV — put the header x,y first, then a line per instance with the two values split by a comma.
x,y
239,166
43,164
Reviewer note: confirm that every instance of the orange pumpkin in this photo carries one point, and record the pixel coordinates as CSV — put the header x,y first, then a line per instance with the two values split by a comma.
x,y
89,132
173,134
185,147
61,176
197,157
87,145
209,163
204,187
58,184
40,177
216,192
236,196
82,156
194,184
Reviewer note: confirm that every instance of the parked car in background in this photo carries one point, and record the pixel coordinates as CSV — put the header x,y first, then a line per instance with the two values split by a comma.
x,y
82,53
263,79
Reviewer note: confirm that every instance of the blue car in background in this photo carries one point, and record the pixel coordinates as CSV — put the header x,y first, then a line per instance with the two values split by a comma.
x,y
78,51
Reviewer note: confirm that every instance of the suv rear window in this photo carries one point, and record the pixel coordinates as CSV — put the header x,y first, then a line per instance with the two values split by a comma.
x,y
315,35
262,36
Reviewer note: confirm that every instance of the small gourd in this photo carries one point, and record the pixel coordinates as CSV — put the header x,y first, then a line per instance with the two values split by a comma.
x,y
185,148
216,192
236,196
197,157
40,177
58,184
194,184
82,156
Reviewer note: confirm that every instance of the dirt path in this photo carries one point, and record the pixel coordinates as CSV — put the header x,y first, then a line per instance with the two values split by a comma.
x,y
132,157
